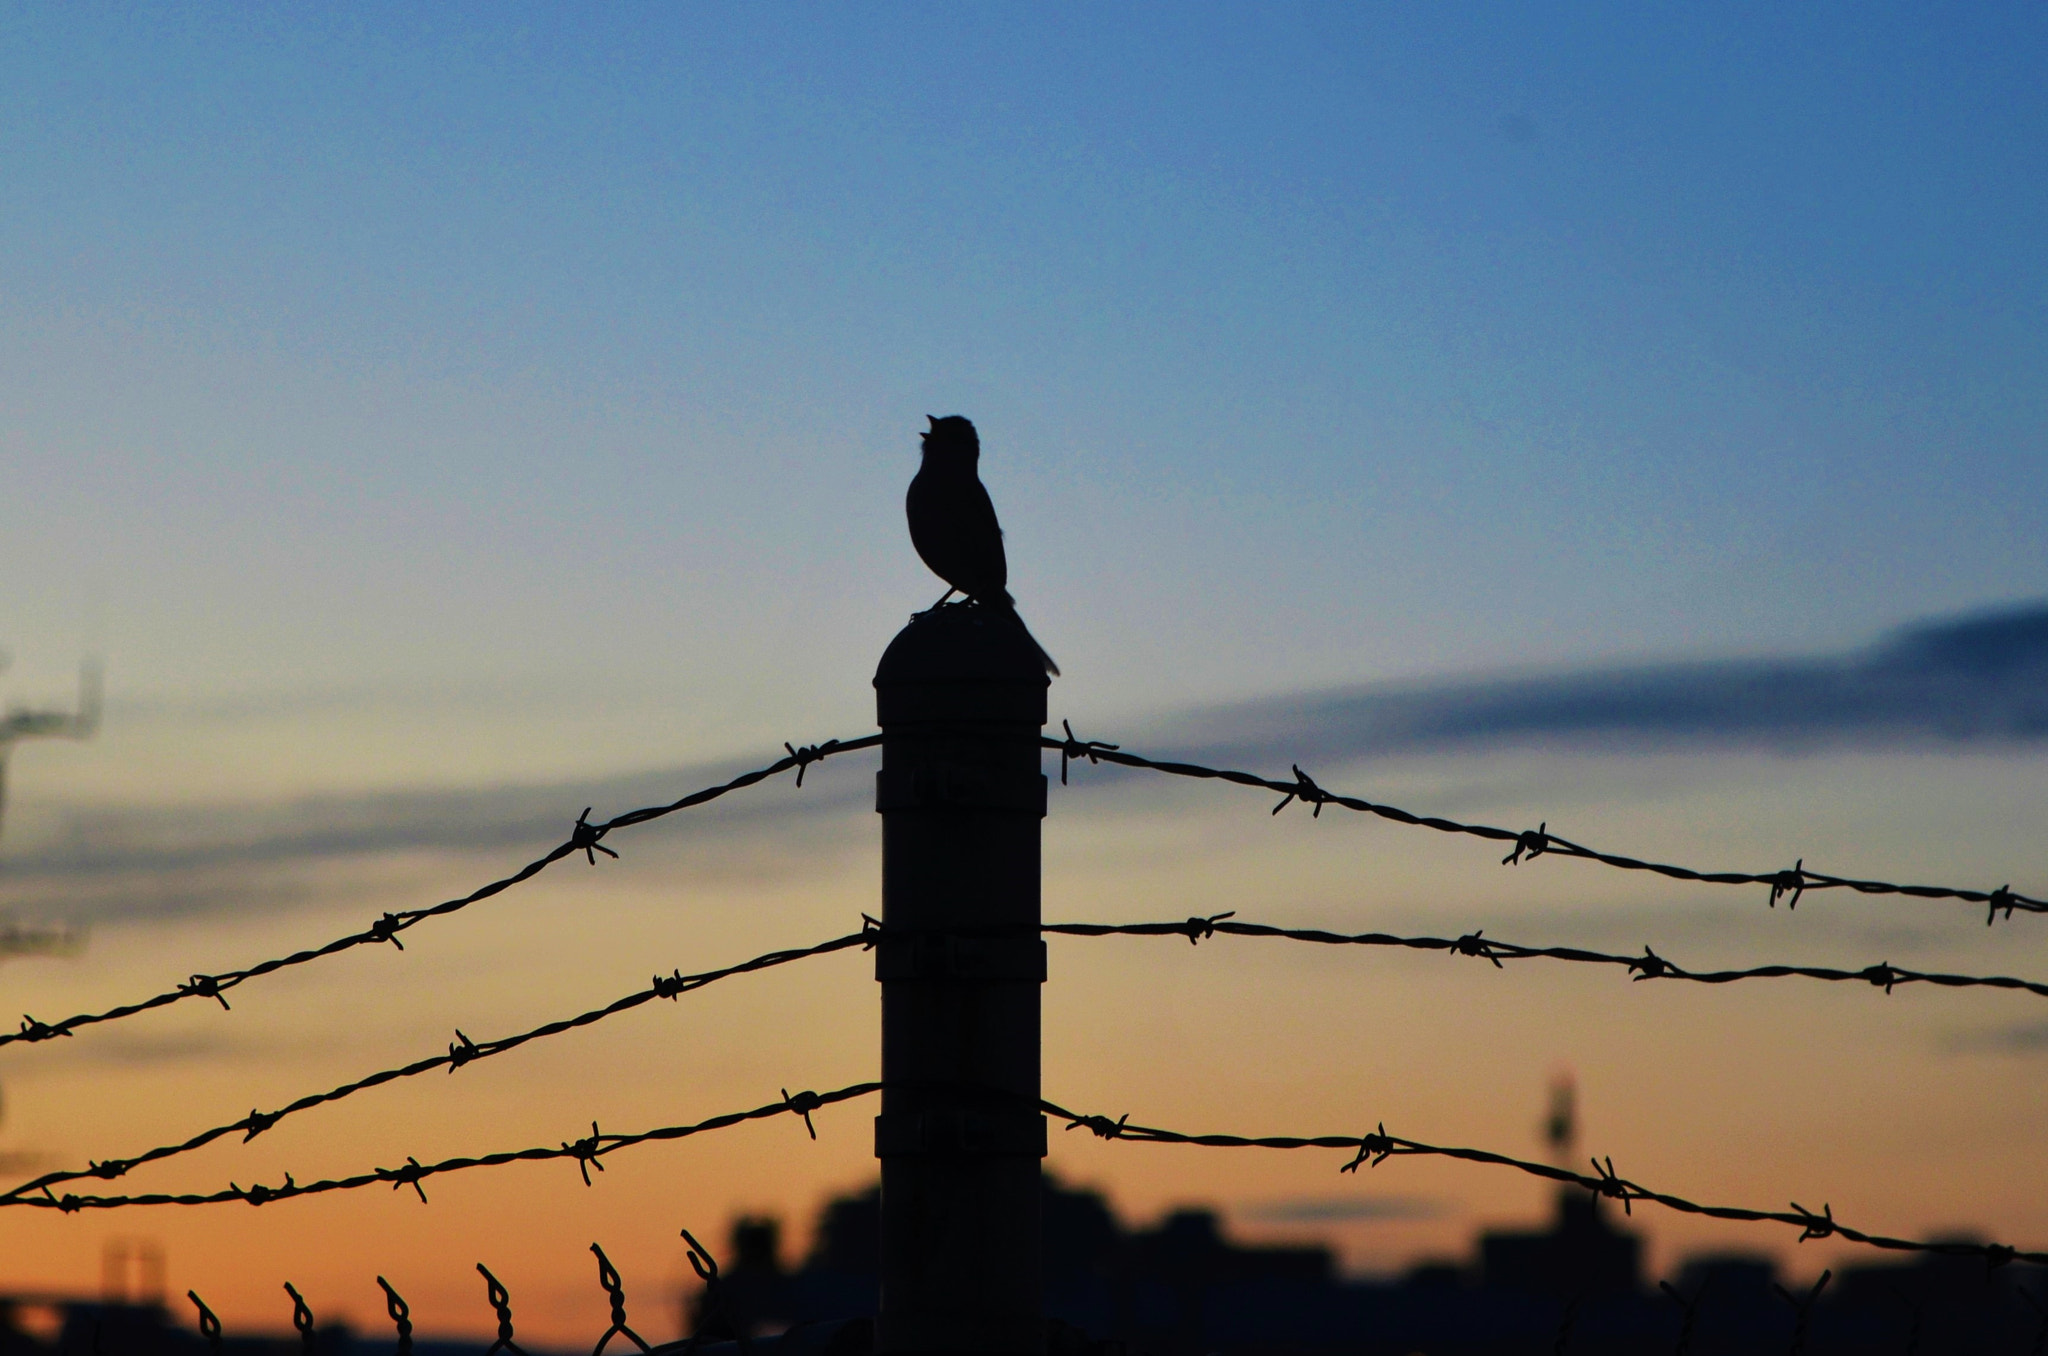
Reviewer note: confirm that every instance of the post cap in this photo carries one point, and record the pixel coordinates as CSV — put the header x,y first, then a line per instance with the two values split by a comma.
x,y
962,662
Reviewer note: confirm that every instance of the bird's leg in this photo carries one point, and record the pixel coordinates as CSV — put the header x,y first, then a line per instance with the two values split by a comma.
x,y
935,606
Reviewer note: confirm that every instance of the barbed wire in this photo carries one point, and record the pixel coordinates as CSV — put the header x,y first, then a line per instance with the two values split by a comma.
x,y
460,1052
463,1050
1529,844
585,837
1649,965
587,1153
1372,1149
1368,1150
496,1294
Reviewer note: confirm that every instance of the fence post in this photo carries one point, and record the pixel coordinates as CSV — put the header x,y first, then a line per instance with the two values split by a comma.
x,y
961,697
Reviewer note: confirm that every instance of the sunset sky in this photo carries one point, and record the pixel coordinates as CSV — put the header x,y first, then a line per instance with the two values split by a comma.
x,y
441,421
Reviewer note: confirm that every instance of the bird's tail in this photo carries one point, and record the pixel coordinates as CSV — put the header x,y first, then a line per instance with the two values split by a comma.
x,y
1009,605
1050,667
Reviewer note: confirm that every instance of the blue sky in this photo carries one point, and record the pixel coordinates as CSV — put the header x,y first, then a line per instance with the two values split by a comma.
x,y
375,351
444,419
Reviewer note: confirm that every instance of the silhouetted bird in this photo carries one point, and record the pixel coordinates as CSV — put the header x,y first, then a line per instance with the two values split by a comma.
x,y
953,524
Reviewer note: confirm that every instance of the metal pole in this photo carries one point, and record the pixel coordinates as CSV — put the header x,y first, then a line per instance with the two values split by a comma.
x,y
961,698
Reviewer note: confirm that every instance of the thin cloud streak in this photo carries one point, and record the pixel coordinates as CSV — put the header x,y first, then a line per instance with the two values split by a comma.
x,y
1979,683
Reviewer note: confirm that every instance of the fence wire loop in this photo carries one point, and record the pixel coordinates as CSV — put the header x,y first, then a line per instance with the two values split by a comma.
x,y
1072,748
302,1318
386,929
501,1303
33,1030
259,1194
1792,882
1373,1150
209,1322
615,1291
1102,1127
1197,928
701,1260
1652,965
809,754
1475,944
1529,845
1815,1226
1607,1183
803,1104
407,1176
585,838
204,986
401,1316
585,1152
1306,791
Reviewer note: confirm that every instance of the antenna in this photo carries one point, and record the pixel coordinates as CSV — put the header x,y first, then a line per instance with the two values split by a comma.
x,y
21,722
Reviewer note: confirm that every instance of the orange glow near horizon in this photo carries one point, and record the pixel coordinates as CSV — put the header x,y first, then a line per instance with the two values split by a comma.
x,y
1749,1094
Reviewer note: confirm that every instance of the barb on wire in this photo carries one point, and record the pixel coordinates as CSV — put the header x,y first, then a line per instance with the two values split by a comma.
x,y
1649,965
209,1322
501,1304
1072,748
463,1052
615,1291
584,837
1527,844
412,1174
401,1316
1380,1146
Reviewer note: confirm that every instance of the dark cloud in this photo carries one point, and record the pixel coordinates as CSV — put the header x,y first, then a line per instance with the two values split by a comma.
x,y
2017,1038
1976,682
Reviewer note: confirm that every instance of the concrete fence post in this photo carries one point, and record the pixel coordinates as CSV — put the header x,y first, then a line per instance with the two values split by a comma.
x,y
961,697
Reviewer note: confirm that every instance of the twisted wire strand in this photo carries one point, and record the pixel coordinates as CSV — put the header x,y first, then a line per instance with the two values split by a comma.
x,y
1528,844
1373,1149
585,837
1648,965
586,1152
463,1051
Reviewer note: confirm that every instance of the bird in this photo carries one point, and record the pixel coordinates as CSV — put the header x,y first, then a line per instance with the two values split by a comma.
x,y
953,523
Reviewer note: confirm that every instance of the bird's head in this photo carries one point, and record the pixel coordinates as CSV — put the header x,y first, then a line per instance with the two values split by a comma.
x,y
952,437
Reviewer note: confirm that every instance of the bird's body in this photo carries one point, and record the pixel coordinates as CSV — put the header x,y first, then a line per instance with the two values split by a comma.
x,y
953,522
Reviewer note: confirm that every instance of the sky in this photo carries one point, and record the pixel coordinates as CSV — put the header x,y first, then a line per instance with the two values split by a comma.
x,y
432,418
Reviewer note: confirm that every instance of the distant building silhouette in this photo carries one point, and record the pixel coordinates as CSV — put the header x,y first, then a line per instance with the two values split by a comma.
x,y
1184,1288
